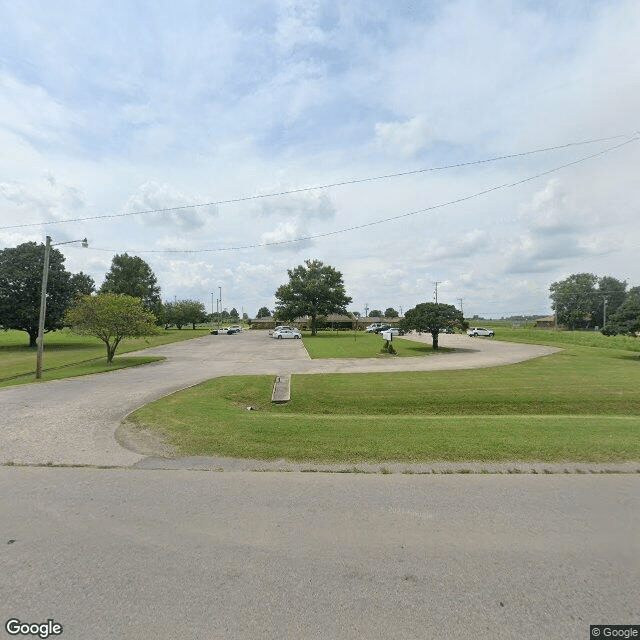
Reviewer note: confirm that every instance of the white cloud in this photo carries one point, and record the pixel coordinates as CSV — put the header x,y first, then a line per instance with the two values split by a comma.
x,y
406,138
152,196
212,103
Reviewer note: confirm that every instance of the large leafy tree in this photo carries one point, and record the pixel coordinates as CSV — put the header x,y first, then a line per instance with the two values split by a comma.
x,y
433,318
132,276
111,317
626,319
263,312
574,299
21,287
391,313
314,289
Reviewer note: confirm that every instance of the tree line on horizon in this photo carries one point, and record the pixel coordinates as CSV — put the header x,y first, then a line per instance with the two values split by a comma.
x,y
588,301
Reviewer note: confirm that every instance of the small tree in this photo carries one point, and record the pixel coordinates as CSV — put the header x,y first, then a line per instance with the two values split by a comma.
x,y
391,313
263,312
314,290
111,317
375,313
433,318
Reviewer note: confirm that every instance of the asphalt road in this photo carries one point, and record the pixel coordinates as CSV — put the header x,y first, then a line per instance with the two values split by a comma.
x,y
73,421
139,554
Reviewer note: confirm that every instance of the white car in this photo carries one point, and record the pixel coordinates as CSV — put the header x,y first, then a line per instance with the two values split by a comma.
x,y
286,333
480,331
236,328
225,331
282,326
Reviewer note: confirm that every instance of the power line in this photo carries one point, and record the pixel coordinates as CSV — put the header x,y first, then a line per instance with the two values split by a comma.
x,y
315,188
373,223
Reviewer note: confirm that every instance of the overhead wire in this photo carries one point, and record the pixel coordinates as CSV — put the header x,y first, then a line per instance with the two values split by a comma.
x,y
389,218
287,192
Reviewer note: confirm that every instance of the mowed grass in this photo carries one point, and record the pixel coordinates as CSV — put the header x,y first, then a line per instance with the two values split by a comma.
x,y
582,404
568,338
67,354
346,344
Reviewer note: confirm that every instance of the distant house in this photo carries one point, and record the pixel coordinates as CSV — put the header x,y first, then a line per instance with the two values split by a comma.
x,y
548,322
266,322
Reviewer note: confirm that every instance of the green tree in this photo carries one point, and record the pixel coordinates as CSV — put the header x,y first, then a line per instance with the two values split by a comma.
x,y
375,313
132,276
82,283
627,317
433,318
612,290
193,312
574,299
391,313
183,312
21,287
314,289
234,315
111,317
263,312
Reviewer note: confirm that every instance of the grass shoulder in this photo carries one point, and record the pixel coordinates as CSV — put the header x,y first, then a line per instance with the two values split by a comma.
x,y
580,404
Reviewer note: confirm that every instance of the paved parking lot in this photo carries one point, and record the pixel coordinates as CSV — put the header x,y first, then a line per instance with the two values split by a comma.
x,y
73,421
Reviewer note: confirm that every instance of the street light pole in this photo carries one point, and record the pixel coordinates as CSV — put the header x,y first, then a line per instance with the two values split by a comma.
x,y
43,300
436,292
43,308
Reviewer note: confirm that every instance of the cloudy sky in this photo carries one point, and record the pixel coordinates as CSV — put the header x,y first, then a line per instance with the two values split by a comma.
x,y
111,109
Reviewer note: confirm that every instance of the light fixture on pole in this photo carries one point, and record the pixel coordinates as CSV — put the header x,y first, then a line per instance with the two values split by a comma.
x,y
43,298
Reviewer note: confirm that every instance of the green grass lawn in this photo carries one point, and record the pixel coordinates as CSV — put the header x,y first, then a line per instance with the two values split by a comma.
x,y
347,344
581,404
67,354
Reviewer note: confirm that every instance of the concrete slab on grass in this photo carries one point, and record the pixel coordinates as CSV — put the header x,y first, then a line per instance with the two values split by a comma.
x,y
281,389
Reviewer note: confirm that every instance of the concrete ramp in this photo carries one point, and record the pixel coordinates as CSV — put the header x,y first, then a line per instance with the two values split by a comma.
x,y
281,389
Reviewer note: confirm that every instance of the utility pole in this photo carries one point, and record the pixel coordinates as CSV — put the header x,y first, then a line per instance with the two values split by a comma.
x,y
604,321
437,283
43,299
461,311
366,310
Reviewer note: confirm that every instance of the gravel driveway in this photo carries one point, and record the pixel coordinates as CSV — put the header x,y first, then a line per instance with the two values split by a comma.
x,y
73,421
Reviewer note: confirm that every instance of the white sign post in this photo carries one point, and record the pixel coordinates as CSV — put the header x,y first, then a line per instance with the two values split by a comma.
x,y
387,335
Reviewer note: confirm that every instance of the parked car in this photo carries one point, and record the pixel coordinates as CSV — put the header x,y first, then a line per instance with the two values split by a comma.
x,y
224,331
279,334
236,328
377,327
282,326
480,331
